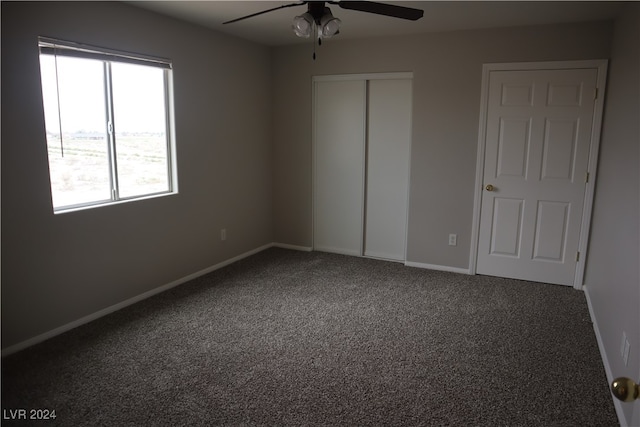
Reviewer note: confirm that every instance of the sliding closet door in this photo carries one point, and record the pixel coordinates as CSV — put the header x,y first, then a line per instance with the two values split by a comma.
x,y
388,154
339,144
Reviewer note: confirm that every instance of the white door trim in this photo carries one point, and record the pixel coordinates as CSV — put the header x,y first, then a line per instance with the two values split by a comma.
x,y
601,66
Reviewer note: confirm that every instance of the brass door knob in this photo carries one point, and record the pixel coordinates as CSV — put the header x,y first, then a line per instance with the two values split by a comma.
x,y
489,187
625,389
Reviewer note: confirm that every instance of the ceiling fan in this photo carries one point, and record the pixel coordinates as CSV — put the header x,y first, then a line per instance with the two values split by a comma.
x,y
319,17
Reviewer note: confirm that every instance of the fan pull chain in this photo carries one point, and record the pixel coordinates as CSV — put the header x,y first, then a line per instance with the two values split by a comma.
x,y
315,30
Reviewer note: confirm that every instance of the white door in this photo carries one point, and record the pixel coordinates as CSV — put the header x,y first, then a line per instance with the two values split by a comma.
x,y
388,154
538,136
362,138
339,147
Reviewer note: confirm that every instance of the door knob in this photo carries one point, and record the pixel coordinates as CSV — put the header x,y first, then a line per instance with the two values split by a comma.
x,y
625,389
489,187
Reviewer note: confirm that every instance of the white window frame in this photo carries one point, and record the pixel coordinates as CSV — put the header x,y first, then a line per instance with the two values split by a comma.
x,y
108,56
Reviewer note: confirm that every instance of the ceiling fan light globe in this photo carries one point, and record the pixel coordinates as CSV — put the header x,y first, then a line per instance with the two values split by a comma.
x,y
303,25
330,27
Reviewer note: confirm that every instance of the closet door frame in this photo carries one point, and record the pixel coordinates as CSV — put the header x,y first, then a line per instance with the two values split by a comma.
x,y
350,77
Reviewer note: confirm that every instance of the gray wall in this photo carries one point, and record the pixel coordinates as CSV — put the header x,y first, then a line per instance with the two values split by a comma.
x,y
447,71
612,279
59,268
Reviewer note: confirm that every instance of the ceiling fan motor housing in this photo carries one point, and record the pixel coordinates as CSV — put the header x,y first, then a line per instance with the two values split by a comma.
x,y
316,9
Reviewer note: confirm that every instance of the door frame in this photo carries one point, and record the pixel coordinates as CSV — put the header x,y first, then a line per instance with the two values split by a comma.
x,y
601,66
399,75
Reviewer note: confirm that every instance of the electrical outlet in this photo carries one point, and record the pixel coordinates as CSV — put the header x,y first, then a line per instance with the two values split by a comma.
x,y
453,239
223,234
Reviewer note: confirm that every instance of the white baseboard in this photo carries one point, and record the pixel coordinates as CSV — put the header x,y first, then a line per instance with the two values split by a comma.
x,y
438,267
101,313
603,355
339,251
293,247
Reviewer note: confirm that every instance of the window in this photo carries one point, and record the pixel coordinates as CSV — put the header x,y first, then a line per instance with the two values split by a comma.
x,y
108,124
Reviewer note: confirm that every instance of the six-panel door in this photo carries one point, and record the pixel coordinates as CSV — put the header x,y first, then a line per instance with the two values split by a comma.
x,y
538,135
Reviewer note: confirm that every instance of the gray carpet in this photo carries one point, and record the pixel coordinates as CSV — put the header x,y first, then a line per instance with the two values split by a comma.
x,y
293,338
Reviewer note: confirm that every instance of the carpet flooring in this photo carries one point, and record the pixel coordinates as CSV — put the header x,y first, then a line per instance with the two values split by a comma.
x,y
295,338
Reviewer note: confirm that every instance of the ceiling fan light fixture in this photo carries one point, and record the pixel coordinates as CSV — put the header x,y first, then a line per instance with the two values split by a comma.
x,y
329,25
303,25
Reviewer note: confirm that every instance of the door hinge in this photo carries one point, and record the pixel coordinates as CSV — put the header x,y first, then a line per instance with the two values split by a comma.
x,y
577,256
586,177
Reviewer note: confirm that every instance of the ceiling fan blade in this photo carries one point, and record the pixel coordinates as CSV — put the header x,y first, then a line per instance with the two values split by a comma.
x,y
382,9
265,11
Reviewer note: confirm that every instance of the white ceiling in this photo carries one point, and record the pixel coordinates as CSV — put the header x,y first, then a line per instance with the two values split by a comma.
x,y
274,28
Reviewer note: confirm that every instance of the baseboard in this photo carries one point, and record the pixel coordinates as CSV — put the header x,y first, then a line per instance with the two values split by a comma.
x,y
101,313
293,247
437,267
603,355
338,251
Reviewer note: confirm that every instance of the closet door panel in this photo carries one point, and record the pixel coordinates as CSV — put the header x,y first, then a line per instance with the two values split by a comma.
x,y
388,154
339,129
